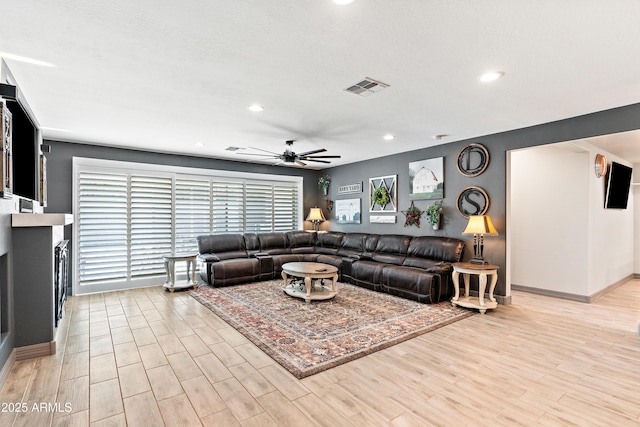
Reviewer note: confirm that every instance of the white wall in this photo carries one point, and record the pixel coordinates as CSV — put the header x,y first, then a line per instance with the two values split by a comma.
x,y
635,190
562,239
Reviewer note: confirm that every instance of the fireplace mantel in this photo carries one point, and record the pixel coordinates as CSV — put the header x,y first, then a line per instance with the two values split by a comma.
x,y
40,220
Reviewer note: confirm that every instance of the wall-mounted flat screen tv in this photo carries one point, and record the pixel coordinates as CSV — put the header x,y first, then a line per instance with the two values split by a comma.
x,y
617,188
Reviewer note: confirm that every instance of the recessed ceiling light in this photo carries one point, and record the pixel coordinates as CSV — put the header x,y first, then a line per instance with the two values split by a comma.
x,y
388,137
19,58
343,1
256,108
491,76
199,144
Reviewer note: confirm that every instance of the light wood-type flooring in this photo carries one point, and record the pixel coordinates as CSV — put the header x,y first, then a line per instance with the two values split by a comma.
x,y
151,358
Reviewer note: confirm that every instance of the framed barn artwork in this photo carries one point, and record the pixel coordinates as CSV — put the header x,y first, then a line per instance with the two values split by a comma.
x,y
426,179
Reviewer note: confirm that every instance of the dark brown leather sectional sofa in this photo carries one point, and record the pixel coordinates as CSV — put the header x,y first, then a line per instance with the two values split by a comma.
x,y
413,267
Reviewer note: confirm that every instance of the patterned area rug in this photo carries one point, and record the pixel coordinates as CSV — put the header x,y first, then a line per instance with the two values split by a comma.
x,y
309,338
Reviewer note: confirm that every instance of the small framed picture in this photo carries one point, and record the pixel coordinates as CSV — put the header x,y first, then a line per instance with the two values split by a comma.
x,y
347,211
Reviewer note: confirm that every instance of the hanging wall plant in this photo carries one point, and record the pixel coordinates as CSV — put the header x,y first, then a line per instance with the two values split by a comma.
x,y
323,184
433,214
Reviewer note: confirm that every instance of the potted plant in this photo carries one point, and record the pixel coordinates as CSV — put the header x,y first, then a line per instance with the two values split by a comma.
x,y
323,184
433,214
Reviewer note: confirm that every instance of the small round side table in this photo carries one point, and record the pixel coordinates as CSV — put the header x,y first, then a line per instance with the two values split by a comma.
x,y
170,267
482,271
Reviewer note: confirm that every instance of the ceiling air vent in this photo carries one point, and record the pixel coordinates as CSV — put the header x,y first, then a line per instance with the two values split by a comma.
x,y
233,148
367,87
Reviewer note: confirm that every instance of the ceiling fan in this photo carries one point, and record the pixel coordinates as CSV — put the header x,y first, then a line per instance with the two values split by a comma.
x,y
289,156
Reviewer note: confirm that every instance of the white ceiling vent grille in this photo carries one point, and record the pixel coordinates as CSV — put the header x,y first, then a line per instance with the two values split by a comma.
x,y
367,87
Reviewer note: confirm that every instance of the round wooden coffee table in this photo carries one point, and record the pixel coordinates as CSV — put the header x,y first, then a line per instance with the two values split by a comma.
x,y
309,271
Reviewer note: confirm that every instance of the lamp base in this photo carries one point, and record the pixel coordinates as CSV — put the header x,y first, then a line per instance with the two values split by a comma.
x,y
478,261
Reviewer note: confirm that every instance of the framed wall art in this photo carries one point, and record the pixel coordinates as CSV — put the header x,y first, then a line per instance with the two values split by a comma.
x,y
472,201
473,160
383,194
426,179
347,211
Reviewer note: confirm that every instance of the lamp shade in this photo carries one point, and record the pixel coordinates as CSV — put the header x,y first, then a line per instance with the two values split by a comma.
x,y
480,224
316,215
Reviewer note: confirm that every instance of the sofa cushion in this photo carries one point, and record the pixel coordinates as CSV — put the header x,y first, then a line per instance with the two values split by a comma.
x,y
274,243
218,243
391,249
301,242
367,274
252,243
352,245
437,248
329,242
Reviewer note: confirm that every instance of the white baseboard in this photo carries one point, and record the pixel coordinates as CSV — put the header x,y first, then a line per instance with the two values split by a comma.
x,y
573,297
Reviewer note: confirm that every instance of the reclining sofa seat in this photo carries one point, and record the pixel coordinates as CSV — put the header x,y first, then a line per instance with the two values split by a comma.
x,y
417,268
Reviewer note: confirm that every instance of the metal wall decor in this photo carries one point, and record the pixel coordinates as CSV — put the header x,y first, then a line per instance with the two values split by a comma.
x,y
600,165
473,160
472,201
383,194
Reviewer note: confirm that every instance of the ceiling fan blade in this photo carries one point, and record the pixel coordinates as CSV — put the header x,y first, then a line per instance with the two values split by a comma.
x,y
314,160
321,157
312,152
300,163
266,151
256,154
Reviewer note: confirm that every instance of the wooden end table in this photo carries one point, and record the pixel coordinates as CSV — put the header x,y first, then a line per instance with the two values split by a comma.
x,y
170,267
310,271
482,271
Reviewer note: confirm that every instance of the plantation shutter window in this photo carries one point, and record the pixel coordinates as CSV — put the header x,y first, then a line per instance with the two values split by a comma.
x,y
103,227
130,215
228,206
193,213
151,224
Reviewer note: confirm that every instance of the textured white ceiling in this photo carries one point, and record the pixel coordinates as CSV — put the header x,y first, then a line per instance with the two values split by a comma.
x,y
163,75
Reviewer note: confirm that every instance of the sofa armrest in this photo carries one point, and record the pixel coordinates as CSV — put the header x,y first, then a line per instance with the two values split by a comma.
x,y
441,268
259,255
208,258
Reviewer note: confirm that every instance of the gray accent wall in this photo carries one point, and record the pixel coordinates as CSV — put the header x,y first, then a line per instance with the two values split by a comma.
x,y
493,180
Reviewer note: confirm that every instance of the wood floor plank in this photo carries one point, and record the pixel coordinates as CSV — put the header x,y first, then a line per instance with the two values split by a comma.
x,y
102,368
142,410
105,400
164,382
184,366
177,411
237,399
133,380
204,399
